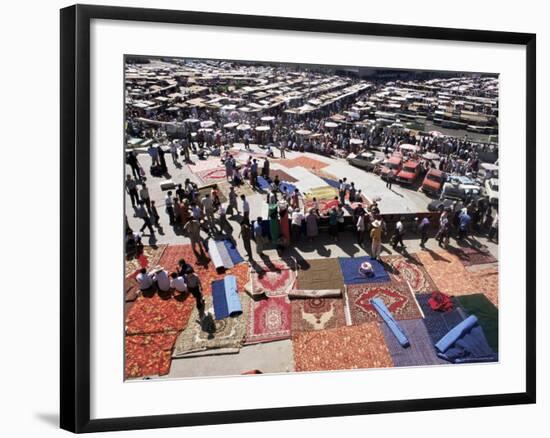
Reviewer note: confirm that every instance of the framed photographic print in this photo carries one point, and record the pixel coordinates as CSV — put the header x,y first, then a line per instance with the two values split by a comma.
x,y
270,218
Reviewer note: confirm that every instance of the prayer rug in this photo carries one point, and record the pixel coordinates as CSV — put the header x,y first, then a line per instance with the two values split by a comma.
x,y
212,175
439,323
473,256
269,319
150,257
311,314
353,270
411,272
421,350
486,314
205,270
208,333
447,272
148,355
396,296
158,315
283,176
486,281
320,274
342,348
274,278
306,162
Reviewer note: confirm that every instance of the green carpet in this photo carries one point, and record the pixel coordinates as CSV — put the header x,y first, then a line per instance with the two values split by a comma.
x,y
486,313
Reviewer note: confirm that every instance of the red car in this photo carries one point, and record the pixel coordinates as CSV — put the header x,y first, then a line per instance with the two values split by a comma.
x,y
393,164
433,181
409,173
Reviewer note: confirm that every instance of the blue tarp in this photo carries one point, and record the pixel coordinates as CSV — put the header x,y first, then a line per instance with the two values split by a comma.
x,y
392,324
287,187
263,183
350,268
234,306
219,300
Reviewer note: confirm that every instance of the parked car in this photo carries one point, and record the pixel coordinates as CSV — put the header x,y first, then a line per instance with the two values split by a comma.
x,y
491,190
433,181
441,204
409,173
461,188
392,164
487,171
364,160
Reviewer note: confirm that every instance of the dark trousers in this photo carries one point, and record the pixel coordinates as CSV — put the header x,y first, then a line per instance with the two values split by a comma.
x,y
147,202
423,237
147,224
397,238
195,291
135,171
134,197
170,211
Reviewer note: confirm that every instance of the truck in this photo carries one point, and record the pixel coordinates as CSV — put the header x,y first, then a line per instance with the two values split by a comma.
x,y
409,173
433,182
392,164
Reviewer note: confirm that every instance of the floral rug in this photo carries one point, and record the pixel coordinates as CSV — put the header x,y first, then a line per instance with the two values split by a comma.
x,y
310,314
269,319
150,257
148,355
341,348
473,256
209,333
409,270
306,162
486,281
396,296
210,176
276,278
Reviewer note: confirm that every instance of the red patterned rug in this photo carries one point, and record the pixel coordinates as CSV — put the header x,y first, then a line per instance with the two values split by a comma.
x,y
274,279
203,267
486,281
306,162
409,270
473,256
148,355
396,295
283,176
342,348
269,319
212,175
158,315
311,314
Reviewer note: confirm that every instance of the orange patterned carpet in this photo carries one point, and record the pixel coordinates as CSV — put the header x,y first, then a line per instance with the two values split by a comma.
x,y
447,271
148,355
204,269
342,348
486,281
306,162
411,271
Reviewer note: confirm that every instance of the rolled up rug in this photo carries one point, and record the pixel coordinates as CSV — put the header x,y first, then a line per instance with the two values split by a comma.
x,y
455,333
392,324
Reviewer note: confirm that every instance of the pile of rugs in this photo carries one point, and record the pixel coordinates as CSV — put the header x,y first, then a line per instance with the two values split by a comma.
x,y
338,313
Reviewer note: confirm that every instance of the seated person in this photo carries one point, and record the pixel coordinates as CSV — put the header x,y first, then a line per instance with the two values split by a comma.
x,y
177,283
145,280
163,282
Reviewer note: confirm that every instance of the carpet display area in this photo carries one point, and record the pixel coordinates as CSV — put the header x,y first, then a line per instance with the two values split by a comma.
x,y
210,176
305,162
209,334
150,257
283,176
439,323
269,319
273,279
354,270
396,296
486,281
410,271
341,348
310,314
148,355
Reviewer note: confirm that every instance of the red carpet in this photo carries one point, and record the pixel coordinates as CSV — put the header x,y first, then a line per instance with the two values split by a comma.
x,y
276,278
311,314
411,271
148,355
268,320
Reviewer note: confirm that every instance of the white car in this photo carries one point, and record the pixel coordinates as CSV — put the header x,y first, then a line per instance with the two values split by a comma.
x,y
491,190
364,160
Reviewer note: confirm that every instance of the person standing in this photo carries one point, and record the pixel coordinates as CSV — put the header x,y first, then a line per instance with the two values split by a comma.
x,y
154,215
245,234
443,232
399,232
258,236
493,231
312,230
296,224
141,213
246,208
463,224
208,208
154,154
333,224
232,202
131,188
169,203
193,230
389,179
361,228
185,148
254,173
282,148
423,228
376,237
265,169
342,191
132,161
194,287
144,195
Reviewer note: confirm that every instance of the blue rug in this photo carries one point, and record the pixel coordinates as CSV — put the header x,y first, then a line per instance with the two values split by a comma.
x,y
219,300
233,252
439,324
352,275
234,306
470,347
263,183
331,182
287,187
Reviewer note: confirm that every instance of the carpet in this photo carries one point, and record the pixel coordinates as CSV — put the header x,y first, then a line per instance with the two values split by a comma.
x,y
311,314
421,350
212,175
396,296
233,252
439,323
409,270
283,176
320,274
222,190
202,165
318,293
325,205
275,278
447,272
473,256
263,183
158,315
332,182
486,313
269,319
306,162
148,355
151,256
204,269
209,333
322,193
486,281
352,273
286,187
342,348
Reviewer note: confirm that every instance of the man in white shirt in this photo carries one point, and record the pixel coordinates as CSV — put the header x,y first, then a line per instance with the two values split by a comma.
x,y
296,224
144,195
163,282
208,207
178,283
246,207
361,227
145,280
174,151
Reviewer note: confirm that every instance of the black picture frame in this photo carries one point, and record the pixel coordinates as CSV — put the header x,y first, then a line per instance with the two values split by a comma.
x,y
75,216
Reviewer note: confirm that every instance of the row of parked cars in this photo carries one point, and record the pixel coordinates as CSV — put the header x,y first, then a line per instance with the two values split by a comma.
x,y
435,183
